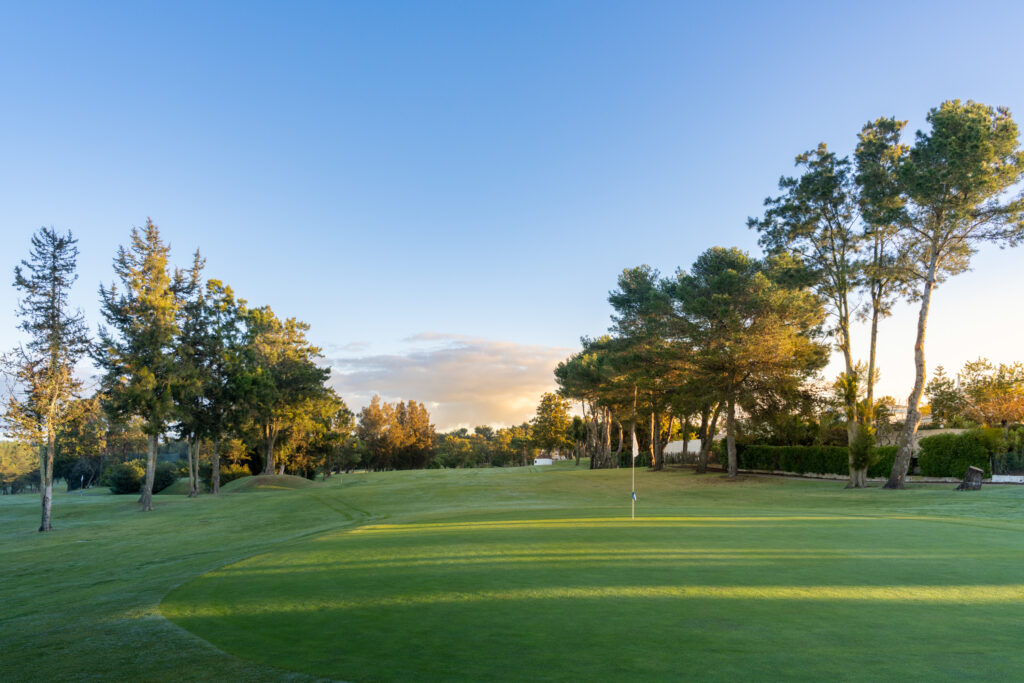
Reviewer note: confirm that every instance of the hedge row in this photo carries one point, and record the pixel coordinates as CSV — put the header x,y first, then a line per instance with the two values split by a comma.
x,y
810,459
949,455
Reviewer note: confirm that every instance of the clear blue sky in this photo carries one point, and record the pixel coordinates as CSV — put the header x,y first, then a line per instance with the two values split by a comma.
x,y
479,171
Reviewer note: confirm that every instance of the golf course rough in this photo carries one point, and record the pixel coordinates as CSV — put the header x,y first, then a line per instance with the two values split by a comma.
x,y
507,575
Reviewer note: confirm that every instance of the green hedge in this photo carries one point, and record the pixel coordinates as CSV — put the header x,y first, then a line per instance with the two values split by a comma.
x,y
810,459
799,459
942,455
949,455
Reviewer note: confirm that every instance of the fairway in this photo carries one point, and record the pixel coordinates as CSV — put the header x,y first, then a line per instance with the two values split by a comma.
x,y
539,573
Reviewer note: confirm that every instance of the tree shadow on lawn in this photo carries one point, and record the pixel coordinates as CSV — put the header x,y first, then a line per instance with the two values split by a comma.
x,y
794,598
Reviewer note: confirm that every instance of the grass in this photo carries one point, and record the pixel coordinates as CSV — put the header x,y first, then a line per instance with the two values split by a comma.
x,y
517,574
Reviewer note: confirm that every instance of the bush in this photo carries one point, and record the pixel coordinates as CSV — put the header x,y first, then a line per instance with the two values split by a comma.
x,y
125,477
949,455
232,472
882,460
128,477
166,474
228,473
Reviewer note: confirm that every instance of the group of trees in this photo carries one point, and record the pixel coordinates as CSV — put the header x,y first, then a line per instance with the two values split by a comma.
x,y
179,356
485,446
732,332
846,238
395,436
981,394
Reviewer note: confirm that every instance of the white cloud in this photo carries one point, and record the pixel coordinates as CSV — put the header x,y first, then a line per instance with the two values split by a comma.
x,y
464,381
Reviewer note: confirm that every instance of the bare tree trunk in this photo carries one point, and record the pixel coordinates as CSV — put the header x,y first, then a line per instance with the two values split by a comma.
x,y
215,472
877,292
730,436
668,434
269,437
147,488
46,480
193,466
191,469
869,418
850,399
650,440
618,451
657,455
906,446
707,439
606,439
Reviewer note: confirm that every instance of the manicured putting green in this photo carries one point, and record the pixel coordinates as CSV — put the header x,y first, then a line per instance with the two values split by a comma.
x,y
749,581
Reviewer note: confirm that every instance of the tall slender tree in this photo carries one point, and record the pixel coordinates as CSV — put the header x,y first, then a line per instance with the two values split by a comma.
x,y
955,180
44,367
880,156
816,218
136,351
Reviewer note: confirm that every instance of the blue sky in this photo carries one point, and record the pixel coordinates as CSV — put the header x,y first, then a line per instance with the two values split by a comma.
x,y
447,191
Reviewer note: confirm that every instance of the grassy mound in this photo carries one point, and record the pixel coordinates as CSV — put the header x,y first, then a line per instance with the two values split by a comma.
x,y
178,488
267,482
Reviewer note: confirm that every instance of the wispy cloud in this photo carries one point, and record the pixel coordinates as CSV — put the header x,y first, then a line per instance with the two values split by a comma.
x,y
350,347
463,381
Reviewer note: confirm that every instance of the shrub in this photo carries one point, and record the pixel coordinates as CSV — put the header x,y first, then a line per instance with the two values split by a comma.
x,y
949,455
232,472
882,460
992,438
125,477
166,474
228,472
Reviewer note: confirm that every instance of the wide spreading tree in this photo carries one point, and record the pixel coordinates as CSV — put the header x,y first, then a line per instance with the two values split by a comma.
x,y
751,331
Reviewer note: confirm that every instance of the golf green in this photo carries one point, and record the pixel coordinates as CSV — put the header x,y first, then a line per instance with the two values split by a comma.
x,y
513,575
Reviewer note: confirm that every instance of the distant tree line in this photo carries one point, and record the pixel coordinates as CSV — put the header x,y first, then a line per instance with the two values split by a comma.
x,y
738,336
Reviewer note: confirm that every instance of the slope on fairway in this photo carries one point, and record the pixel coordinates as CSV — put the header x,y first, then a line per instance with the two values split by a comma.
x,y
515,574
267,482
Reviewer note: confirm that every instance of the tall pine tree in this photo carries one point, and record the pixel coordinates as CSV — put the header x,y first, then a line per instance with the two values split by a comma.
x,y
43,368
136,351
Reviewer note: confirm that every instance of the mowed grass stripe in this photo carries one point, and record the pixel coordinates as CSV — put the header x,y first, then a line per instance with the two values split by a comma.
x,y
292,584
